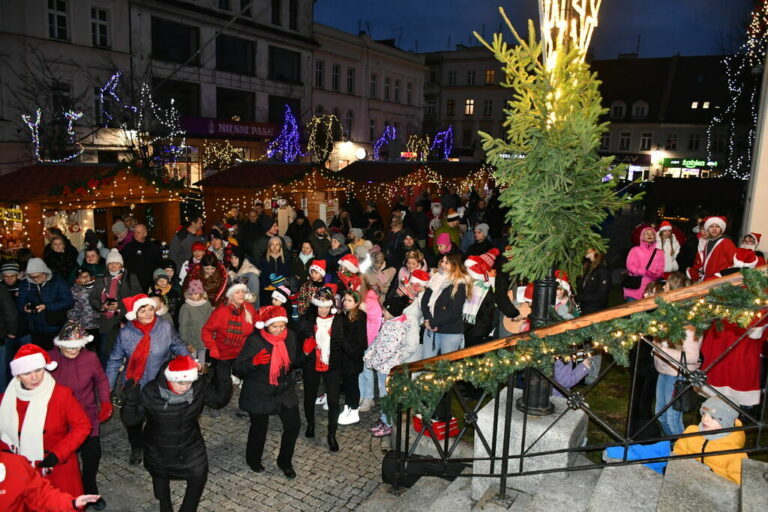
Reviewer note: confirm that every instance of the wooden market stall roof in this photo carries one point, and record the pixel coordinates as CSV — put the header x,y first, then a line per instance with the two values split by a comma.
x,y
384,171
248,175
36,181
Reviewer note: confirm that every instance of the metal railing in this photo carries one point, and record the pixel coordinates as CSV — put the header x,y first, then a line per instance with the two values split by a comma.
x,y
504,465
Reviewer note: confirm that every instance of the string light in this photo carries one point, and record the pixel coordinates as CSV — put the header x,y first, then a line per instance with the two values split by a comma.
x,y
559,26
444,141
323,130
216,155
390,134
287,143
34,128
418,146
110,89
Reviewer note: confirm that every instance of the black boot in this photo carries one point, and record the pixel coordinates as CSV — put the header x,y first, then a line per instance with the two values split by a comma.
x,y
136,456
310,430
332,444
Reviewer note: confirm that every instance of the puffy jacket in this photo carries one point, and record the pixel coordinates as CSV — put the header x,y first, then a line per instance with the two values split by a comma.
x,y
637,259
258,395
373,314
54,293
165,344
729,465
82,312
480,331
448,310
8,315
593,289
173,445
353,344
691,346
129,286
670,248
85,377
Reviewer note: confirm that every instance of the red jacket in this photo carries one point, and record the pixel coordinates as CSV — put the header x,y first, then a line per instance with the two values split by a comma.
x,y
707,264
66,428
225,331
23,489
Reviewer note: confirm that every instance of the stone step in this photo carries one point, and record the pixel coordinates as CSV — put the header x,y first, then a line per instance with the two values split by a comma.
x,y
633,487
754,486
573,493
690,486
423,492
455,498
382,499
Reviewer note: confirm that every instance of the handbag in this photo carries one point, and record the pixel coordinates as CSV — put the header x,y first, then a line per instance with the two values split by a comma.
x,y
633,282
683,400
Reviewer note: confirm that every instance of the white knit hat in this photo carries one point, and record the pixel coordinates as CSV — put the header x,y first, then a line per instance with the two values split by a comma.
x,y
114,256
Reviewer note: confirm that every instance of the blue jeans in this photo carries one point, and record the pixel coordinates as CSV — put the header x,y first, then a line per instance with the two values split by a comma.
x,y
436,343
672,420
382,381
365,381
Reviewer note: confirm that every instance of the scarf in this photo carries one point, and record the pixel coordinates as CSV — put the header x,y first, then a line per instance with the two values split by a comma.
x,y
110,291
306,257
472,306
340,250
164,290
437,283
30,443
170,397
138,361
323,337
279,363
195,303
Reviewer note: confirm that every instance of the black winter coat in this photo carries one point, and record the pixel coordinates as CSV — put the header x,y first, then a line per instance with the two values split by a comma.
x,y
258,395
307,330
173,445
593,289
478,248
448,310
354,344
480,331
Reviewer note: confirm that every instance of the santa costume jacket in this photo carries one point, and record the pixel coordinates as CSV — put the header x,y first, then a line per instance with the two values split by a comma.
x,y
712,260
66,427
22,489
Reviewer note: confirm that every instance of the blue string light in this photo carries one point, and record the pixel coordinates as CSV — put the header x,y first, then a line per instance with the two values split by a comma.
x,y
390,134
110,89
34,128
444,140
287,142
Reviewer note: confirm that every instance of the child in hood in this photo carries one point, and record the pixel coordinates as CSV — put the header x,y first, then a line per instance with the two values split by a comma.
x,y
193,314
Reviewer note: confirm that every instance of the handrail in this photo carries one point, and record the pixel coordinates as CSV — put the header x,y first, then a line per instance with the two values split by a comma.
x,y
686,293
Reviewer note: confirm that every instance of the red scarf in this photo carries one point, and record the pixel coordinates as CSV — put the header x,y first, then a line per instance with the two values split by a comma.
x,y
138,361
280,362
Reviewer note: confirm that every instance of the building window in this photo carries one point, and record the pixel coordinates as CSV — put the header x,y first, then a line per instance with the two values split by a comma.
x,y
466,137
348,121
372,130
245,7
320,74
409,93
350,80
397,91
430,108
224,4
487,107
235,55
185,95
618,109
470,78
293,14
234,103
335,77
276,108
319,109
694,105
284,65
175,42
58,20
99,27
276,12
374,82
605,141
646,140
450,107
639,110
625,140
469,107
705,105
98,112
719,143
694,142
490,76
386,88
671,141
451,78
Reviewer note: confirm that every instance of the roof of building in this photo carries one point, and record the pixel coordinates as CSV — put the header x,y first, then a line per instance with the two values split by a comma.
x,y
254,174
382,171
37,180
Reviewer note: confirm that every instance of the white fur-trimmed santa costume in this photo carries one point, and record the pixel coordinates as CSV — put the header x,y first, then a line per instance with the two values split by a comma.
x,y
709,262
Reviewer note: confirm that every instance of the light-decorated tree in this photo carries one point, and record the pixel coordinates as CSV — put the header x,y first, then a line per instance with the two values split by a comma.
x,y
553,181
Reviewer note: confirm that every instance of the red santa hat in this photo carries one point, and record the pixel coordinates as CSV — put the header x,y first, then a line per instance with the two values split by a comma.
x,y
351,263
756,236
562,280
719,221
525,293
135,303
270,314
72,335
745,258
664,226
198,246
419,276
480,266
30,358
181,369
318,266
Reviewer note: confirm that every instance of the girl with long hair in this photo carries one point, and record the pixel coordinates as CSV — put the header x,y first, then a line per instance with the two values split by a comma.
x,y
275,261
353,346
442,305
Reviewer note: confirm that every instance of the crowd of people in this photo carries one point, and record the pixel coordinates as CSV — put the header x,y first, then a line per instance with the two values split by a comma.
x,y
166,333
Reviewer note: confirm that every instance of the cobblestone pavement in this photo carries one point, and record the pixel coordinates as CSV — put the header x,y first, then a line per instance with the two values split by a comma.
x,y
326,481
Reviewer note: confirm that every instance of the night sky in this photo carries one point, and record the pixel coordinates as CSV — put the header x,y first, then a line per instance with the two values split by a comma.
x,y
665,27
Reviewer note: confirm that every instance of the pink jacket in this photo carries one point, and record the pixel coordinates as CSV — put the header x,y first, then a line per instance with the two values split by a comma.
x,y
691,346
637,259
373,314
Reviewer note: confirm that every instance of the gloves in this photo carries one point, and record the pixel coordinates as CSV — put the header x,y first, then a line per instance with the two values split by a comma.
x,y
262,357
309,345
105,411
49,461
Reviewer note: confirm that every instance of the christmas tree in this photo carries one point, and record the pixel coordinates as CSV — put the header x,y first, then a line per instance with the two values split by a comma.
x,y
554,183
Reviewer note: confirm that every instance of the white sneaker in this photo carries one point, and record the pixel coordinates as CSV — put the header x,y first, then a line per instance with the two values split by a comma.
x,y
325,405
349,416
366,404
321,400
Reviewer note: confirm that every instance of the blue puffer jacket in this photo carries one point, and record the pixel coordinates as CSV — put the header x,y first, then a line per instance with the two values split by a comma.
x,y
165,344
54,292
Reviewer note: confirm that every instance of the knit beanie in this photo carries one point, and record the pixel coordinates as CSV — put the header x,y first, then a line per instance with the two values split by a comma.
x,y
317,224
114,256
10,267
119,227
338,237
720,411
483,228
195,286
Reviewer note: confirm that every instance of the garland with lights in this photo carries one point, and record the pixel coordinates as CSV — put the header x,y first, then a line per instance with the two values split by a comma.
x,y
34,127
737,304
324,130
418,146
389,135
444,141
153,176
287,142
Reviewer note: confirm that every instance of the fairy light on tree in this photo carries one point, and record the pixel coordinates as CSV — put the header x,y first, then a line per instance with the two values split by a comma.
x,y
443,142
389,135
286,144
324,130
418,146
33,123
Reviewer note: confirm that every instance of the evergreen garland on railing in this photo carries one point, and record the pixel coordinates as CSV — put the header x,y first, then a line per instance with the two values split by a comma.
x,y
737,304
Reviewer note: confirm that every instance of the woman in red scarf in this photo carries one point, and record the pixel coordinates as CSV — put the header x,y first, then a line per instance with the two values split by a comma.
x,y
42,420
266,366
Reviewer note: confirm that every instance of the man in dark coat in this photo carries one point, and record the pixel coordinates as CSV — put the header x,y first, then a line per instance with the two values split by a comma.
x,y
9,318
142,257
181,243
319,239
251,229
259,248
481,245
